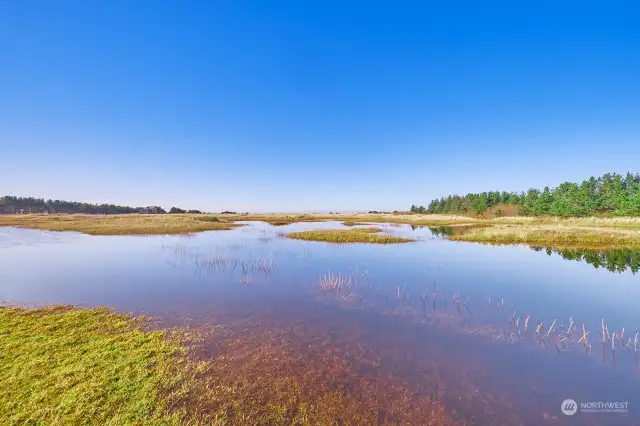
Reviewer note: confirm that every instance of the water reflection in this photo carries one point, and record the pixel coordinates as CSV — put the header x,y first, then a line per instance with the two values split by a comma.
x,y
614,260
440,231
459,322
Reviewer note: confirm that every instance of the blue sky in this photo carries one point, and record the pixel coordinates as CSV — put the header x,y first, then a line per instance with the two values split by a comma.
x,y
312,105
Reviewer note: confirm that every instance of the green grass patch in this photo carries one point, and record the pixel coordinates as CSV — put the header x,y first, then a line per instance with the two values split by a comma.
x,y
354,235
62,365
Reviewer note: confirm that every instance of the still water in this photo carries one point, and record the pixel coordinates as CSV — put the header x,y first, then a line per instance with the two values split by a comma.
x,y
446,317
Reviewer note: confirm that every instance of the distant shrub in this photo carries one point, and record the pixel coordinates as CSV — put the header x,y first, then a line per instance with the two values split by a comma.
x,y
280,222
209,219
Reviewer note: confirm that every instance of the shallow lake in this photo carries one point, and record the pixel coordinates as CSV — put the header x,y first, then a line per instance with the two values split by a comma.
x,y
447,318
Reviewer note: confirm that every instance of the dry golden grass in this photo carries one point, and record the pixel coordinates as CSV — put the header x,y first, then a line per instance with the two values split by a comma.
x,y
552,235
130,224
508,210
435,219
359,218
609,222
610,231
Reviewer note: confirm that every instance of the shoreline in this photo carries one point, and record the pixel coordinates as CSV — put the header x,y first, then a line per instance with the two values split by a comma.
x,y
592,232
124,224
75,365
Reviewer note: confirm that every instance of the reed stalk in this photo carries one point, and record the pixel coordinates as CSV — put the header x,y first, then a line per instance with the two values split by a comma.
x,y
613,342
570,330
551,328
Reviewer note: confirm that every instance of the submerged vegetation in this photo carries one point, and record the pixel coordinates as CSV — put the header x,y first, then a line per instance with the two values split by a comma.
x,y
611,193
433,308
63,365
118,224
354,235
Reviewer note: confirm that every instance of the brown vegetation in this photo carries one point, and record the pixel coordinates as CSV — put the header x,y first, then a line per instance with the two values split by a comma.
x,y
130,224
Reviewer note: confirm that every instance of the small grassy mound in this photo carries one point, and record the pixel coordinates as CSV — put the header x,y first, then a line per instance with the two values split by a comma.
x,y
62,365
208,219
352,223
355,235
280,222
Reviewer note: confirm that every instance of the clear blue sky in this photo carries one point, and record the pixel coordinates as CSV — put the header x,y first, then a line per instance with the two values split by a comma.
x,y
312,105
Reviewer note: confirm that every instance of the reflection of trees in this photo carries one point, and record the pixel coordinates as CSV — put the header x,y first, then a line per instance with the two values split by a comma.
x,y
614,260
441,231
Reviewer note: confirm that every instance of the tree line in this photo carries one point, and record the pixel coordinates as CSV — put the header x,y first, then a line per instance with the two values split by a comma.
x,y
23,205
608,194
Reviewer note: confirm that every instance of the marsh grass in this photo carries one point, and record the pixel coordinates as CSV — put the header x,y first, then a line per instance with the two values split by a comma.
x,y
613,222
550,235
358,218
458,316
130,224
352,223
207,219
440,219
554,231
280,222
62,365
354,235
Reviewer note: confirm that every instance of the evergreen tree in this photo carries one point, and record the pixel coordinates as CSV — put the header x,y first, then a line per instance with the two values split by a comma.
x,y
543,203
609,194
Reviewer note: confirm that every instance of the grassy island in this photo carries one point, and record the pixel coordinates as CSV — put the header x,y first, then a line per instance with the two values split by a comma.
x,y
354,235
120,224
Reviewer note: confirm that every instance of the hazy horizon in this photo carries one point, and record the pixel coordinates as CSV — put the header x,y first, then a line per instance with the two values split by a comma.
x,y
299,107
